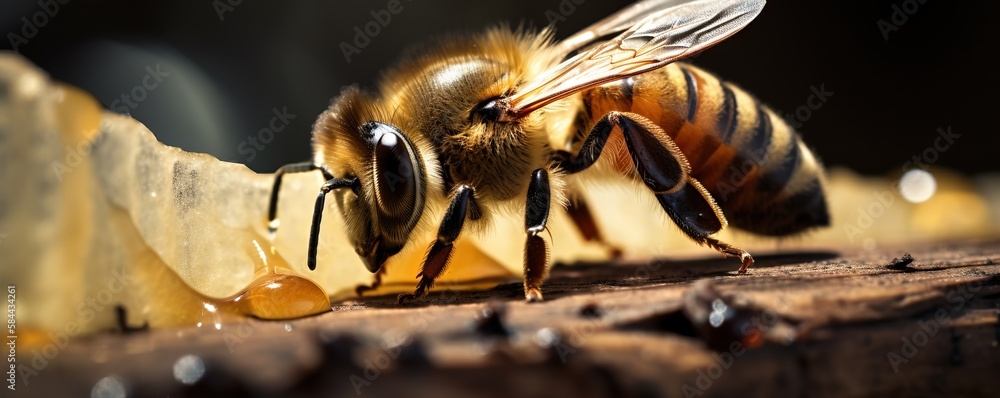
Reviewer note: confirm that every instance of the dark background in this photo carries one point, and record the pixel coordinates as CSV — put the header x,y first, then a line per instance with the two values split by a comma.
x,y
226,75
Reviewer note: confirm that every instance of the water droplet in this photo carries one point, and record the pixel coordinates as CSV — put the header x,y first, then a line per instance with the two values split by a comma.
x,y
546,337
288,327
108,387
719,312
917,186
715,319
189,369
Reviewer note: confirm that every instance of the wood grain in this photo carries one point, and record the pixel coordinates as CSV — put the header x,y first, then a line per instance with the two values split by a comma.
x,y
831,324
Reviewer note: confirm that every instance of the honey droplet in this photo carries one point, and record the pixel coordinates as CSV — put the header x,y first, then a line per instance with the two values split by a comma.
x,y
276,293
278,296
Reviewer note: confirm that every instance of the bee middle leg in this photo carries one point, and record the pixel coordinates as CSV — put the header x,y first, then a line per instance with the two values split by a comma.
x,y
462,201
536,252
661,165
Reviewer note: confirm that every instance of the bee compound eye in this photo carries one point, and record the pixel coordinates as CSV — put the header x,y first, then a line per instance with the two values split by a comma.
x,y
395,175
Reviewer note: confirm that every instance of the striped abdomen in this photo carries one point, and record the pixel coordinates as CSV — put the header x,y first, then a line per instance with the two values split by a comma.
x,y
755,166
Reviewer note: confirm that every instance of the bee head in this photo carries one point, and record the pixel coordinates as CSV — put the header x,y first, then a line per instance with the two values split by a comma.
x,y
384,206
396,191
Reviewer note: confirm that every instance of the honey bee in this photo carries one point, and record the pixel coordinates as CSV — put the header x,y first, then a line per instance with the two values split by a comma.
x,y
506,120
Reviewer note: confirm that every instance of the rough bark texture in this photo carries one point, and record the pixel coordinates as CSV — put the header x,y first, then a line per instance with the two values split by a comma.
x,y
804,323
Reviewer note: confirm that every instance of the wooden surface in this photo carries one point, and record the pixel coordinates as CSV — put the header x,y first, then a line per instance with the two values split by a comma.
x,y
820,323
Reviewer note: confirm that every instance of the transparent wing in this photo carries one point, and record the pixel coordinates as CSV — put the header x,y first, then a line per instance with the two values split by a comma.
x,y
658,32
617,22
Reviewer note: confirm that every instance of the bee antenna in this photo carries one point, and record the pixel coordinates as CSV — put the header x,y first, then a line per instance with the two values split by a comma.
x,y
393,116
489,110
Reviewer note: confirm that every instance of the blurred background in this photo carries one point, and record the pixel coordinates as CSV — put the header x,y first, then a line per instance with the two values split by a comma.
x,y
208,76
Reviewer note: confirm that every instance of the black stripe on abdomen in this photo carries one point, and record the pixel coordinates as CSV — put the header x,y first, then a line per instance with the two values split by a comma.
x,y
761,139
692,93
801,211
775,179
727,115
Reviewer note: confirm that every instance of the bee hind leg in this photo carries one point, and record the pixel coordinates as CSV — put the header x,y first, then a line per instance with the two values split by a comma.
x,y
440,251
661,165
694,210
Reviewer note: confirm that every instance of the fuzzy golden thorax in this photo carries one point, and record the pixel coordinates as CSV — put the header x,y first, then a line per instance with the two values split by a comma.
x,y
441,90
433,102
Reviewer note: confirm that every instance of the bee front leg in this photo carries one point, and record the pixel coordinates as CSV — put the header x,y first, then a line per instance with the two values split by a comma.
x,y
440,251
272,207
536,253
361,289
331,184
